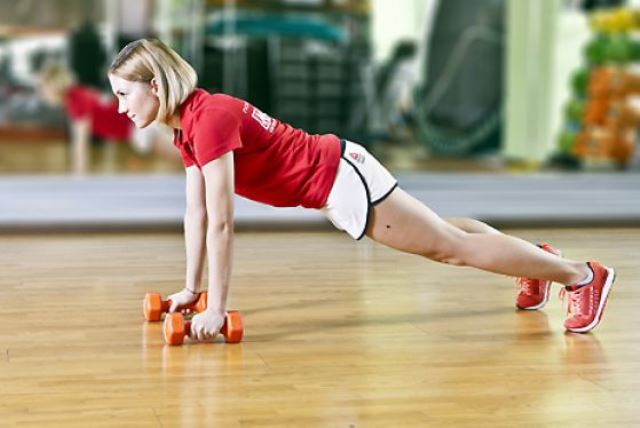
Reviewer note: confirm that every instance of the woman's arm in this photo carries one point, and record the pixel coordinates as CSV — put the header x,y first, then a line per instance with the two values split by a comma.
x,y
195,224
80,134
219,189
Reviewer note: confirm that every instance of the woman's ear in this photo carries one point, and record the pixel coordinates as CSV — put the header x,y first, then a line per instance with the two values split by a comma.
x,y
154,86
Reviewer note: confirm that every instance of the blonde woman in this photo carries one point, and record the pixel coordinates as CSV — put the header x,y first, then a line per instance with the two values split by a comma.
x,y
90,113
227,145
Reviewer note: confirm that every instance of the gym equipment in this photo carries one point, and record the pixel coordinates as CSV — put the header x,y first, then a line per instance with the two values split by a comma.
x,y
621,115
595,111
618,49
595,51
459,106
603,143
579,82
566,141
609,81
574,111
175,328
602,115
153,306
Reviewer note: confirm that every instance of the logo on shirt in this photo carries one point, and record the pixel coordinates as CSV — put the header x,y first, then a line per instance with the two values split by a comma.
x,y
263,119
358,157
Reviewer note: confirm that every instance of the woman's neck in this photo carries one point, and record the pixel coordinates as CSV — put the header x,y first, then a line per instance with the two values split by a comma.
x,y
174,121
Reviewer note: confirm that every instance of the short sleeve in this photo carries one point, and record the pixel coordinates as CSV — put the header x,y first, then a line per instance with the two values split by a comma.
x,y
185,153
215,132
187,158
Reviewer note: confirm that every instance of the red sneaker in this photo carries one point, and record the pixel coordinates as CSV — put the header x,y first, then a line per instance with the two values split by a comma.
x,y
534,293
586,303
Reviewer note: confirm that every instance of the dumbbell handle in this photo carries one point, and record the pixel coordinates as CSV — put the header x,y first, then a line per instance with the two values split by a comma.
x,y
187,328
231,336
176,328
166,304
153,306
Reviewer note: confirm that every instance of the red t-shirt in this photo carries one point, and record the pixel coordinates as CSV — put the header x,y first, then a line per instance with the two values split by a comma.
x,y
82,102
275,163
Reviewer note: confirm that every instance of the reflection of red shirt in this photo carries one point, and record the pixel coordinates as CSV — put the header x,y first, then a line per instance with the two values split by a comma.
x,y
82,102
274,163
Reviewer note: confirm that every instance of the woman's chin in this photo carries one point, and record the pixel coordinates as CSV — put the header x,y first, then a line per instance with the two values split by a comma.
x,y
142,124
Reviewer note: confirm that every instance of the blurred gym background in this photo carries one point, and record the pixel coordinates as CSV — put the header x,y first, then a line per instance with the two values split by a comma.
x,y
506,110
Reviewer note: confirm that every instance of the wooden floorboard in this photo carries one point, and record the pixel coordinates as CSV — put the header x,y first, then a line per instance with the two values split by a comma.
x,y
338,334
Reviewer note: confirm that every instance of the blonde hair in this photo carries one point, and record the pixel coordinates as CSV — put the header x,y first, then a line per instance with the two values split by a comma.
x,y
146,59
56,78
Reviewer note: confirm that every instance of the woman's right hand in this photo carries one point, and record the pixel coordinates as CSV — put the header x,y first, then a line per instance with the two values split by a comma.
x,y
182,298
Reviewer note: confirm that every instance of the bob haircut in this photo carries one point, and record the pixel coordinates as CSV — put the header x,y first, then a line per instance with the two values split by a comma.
x,y
147,59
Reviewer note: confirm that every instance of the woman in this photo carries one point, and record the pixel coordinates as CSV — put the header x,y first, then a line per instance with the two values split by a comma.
x,y
90,113
229,145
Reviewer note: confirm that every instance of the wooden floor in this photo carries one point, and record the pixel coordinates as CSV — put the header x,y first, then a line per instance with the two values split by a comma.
x,y
338,334
52,157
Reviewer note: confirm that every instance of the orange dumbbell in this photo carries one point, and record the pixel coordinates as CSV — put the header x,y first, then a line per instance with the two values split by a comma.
x,y
176,328
153,305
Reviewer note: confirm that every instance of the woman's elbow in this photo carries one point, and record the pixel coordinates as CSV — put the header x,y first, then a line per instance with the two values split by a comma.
x,y
221,227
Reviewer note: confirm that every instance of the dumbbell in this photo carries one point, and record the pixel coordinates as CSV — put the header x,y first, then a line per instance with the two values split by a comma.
x,y
176,328
153,305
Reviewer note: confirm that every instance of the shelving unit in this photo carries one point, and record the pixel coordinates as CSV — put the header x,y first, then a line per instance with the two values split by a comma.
x,y
603,113
301,63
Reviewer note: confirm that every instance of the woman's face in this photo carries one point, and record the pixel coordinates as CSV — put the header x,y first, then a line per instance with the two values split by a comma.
x,y
138,100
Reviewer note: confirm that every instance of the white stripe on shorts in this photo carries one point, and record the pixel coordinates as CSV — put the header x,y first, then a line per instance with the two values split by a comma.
x,y
360,183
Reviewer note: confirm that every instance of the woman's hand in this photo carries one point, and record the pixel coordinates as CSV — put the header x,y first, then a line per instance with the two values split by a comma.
x,y
182,298
206,325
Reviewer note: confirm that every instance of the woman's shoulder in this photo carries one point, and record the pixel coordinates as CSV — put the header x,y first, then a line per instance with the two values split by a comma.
x,y
203,107
220,99
80,100
206,103
81,91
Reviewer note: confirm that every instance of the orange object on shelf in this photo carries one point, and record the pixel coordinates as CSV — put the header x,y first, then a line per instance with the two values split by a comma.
x,y
603,143
610,81
596,110
621,115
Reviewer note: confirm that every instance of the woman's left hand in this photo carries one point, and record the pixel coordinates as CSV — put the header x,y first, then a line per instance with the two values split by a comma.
x,y
206,325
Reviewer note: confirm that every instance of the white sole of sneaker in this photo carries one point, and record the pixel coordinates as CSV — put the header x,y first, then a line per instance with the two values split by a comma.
x,y
541,304
611,276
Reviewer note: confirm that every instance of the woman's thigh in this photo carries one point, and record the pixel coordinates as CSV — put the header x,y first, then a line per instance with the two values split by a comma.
x,y
406,224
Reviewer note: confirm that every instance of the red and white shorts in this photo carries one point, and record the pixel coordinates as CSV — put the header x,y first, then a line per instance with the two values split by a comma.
x,y
361,182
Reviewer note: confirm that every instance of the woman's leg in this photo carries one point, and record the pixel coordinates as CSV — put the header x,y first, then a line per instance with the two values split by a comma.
x,y
404,223
471,225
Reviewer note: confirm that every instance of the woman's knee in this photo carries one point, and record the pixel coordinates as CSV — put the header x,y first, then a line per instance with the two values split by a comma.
x,y
448,248
471,225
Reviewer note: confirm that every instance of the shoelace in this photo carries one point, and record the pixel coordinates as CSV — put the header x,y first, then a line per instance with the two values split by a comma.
x,y
527,285
579,301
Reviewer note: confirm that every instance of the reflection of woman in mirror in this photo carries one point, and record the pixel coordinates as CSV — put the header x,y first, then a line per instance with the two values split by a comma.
x,y
228,145
91,114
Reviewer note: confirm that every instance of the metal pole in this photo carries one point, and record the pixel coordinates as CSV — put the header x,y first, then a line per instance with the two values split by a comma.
x,y
228,76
